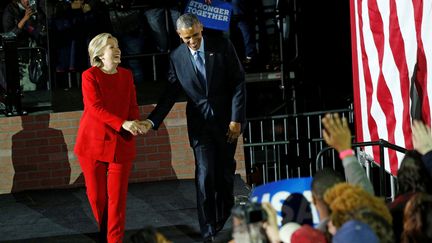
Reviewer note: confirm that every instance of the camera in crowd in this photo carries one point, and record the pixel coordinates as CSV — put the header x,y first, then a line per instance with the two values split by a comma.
x,y
256,215
33,6
250,212
248,219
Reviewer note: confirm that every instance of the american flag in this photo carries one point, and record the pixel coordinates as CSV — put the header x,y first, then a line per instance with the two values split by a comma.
x,y
392,53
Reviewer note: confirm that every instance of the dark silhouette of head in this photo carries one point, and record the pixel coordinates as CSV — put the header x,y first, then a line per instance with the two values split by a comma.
x,y
296,208
417,226
323,180
413,175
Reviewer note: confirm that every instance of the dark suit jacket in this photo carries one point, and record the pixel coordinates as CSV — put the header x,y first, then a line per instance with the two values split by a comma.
x,y
222,102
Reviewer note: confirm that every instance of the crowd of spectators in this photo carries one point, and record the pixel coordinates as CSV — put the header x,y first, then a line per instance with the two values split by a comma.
x,y
143,27
348,209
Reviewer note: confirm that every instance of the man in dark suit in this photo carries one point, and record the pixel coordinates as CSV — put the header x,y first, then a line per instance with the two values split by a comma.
x,y
210,73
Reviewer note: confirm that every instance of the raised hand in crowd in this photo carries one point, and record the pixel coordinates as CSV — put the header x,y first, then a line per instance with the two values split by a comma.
x,y
336,132
271,226
208,1
421,136
337,135
28,13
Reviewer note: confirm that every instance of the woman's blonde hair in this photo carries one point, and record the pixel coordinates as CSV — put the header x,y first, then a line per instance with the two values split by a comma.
x,y
96,48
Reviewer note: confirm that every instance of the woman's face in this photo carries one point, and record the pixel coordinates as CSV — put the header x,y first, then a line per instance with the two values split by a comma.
x,y
111,53
25,3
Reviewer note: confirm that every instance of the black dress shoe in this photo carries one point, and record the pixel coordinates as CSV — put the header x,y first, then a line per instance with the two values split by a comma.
x,y
209,239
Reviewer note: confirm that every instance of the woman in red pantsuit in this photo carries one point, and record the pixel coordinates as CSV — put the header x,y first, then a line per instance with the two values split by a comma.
x,y
105,144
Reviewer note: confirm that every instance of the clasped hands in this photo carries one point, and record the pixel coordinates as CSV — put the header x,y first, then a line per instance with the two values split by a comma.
x,y
137,127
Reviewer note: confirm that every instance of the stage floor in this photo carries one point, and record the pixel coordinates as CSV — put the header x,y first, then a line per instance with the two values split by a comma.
x,y
64,215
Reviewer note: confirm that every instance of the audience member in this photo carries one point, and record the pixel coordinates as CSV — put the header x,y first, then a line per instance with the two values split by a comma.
x,y
422,141
294,232
348,202
321,182
27,22
72,28
248,223
417,223
127,25
381,227
157,15
296,208
243,19
271,226
287,230
413,177
354,231
337,135
307,234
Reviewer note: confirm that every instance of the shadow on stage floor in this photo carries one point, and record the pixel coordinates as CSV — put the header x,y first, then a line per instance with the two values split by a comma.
x,y
64,215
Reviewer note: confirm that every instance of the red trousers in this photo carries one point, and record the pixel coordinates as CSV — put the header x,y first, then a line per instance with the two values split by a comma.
x,y
107,185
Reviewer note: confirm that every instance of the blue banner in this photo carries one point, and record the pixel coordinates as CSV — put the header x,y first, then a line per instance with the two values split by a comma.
x,y
216,15
291,198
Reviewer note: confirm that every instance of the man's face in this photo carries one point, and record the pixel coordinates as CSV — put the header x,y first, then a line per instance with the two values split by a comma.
x,y
192,36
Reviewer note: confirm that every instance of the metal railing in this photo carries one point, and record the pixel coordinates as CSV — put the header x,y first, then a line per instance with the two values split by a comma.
x,y
385,182
285,146
153,57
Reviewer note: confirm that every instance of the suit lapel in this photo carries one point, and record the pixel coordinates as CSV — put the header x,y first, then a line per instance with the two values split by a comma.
x,y
209,61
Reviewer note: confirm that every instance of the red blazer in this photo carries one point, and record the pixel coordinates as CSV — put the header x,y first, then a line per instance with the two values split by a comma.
x,y
109,100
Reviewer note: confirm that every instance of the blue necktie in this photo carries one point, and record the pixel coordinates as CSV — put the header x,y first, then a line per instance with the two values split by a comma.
x,y
201,73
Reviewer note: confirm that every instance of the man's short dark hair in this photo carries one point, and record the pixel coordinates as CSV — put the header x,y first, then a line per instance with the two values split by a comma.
x,y
187,20
323,180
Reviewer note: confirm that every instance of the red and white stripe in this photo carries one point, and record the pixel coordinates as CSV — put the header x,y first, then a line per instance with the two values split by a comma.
x,y
392,49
